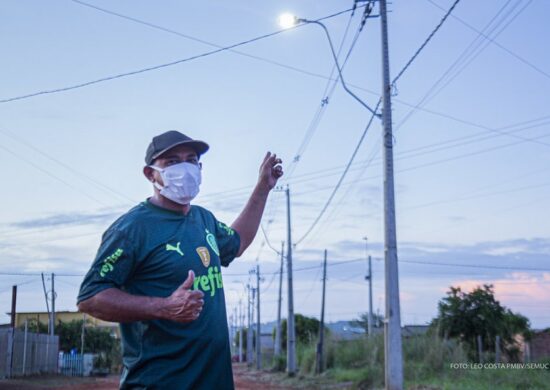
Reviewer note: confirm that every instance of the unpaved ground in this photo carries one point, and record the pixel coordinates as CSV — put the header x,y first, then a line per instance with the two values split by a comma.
x,y
244,380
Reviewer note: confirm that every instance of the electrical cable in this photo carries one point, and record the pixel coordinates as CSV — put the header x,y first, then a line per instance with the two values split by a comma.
x,y
324,101
493,41
344,173
161,66
430,36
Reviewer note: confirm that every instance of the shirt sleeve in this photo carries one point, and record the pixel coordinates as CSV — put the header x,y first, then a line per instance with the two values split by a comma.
x,y
228,241
113,265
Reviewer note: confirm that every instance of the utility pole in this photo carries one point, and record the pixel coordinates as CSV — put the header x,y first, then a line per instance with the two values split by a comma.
x,y
258,325
82,335
369,278
370,318
236,330
13,304
248,359
250,332
392,324
319,365
290,330
280,301
47,303
241,329
52,329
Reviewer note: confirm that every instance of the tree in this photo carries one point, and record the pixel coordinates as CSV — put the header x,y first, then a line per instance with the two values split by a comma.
x,y
33,325
363,321
307,329
468,315
96,340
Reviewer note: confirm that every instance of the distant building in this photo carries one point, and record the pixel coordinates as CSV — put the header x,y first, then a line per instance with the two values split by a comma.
x,y
65,316
414,330
537,348
267,342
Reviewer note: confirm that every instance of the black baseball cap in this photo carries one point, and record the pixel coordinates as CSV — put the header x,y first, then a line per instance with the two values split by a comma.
x,y
165,141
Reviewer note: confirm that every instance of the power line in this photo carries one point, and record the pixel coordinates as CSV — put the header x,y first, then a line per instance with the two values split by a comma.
x,y
419,50
306,268
471,48
344,173
164,65
473,265
329,90
45,171
415,55
350,185
94,182
481,46
205,42
435,162
314,123
493,41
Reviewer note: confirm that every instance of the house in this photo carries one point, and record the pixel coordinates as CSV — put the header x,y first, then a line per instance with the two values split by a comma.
x,y
414,330
64,316
537,348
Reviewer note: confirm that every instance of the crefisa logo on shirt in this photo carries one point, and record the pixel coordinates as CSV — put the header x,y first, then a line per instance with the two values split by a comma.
x,y
209,283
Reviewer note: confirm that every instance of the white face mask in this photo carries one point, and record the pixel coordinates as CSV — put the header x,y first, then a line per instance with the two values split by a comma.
x,y
181,182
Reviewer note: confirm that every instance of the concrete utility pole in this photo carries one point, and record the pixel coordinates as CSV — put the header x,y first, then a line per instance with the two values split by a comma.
x,y
258,324
47,305
290,330
241,329
249,332
52,329
319,361
13,305
369,278
82,333
278,340
371,320
236,329
392,323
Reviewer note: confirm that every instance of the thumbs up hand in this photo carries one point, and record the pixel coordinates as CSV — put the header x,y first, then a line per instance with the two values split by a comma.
x,y
183,305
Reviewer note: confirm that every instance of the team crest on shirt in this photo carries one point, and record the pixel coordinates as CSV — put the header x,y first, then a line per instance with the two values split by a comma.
x,y
204,254
211,240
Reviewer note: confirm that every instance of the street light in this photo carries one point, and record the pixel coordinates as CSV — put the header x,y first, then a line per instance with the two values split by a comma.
x,y
288,20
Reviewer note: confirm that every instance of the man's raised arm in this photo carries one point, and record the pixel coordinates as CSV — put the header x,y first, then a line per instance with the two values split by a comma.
x,y
248,221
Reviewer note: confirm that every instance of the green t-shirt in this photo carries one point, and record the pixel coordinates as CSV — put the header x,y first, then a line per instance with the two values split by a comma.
x,y
149,251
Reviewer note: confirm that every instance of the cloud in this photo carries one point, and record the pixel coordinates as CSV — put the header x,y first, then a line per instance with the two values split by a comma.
x,y
518,287
64,219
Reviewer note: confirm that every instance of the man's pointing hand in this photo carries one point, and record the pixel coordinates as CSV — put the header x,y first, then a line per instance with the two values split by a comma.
x,y
270,171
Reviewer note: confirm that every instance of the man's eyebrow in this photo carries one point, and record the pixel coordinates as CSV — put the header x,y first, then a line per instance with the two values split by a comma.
x,y
170,156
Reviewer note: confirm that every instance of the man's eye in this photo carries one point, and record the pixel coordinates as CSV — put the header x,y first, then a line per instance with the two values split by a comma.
x,y
193,161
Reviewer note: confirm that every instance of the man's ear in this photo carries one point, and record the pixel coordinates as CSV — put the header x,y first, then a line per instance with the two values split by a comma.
x,y
149,173
200,165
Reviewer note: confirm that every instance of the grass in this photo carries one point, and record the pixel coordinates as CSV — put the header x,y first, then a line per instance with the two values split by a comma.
x,y
360,364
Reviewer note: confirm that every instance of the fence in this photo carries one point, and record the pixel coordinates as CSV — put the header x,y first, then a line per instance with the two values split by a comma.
x,y
76,364
26,353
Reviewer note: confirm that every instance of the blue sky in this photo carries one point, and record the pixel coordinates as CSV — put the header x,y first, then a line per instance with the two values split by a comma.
x,y
471,160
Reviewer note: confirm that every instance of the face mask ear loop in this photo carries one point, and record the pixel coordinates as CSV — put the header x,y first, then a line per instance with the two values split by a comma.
x,y
156,184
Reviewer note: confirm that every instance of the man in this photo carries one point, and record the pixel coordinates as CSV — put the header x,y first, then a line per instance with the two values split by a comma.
x,y
158,273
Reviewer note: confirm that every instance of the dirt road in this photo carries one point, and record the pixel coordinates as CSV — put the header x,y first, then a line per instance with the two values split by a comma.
x,y
244,380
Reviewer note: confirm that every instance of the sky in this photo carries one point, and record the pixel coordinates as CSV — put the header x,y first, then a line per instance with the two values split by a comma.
x,y
471,137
